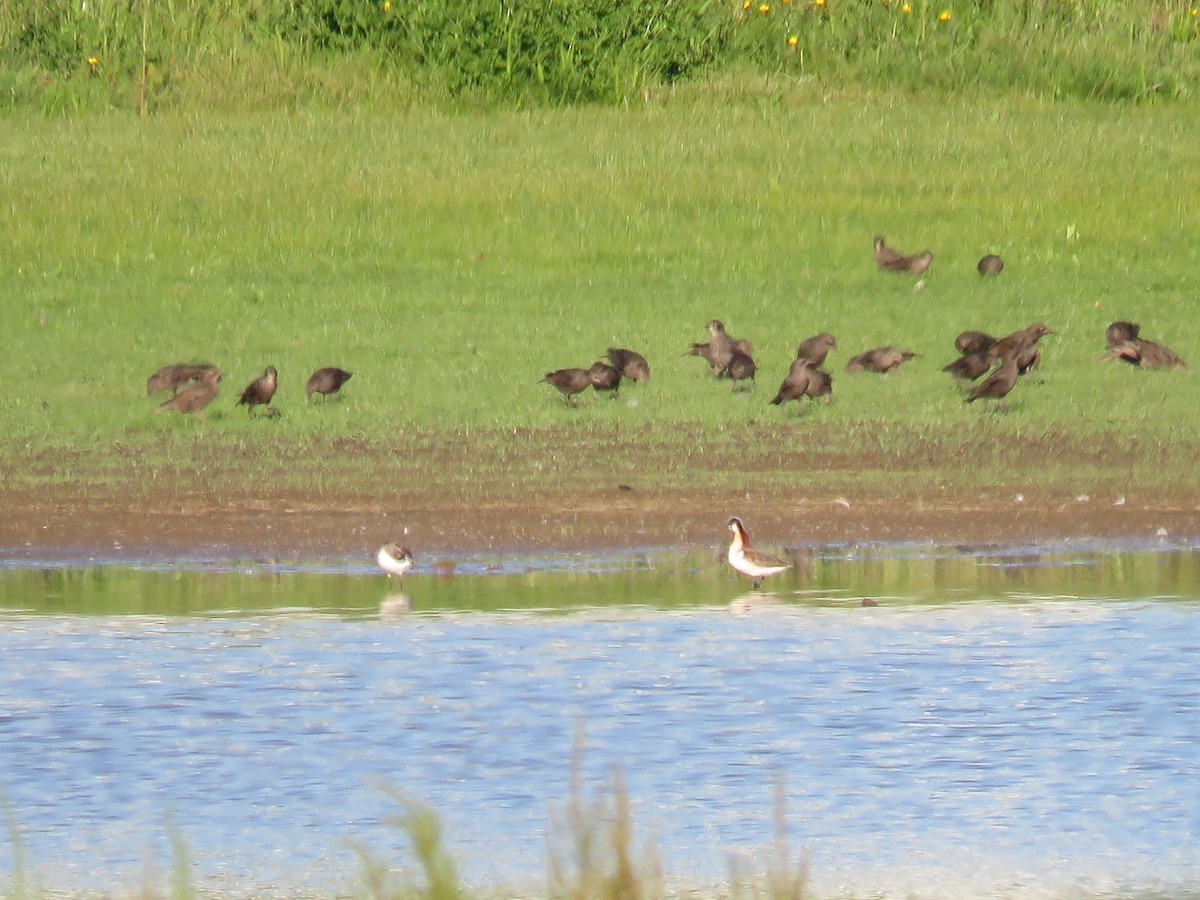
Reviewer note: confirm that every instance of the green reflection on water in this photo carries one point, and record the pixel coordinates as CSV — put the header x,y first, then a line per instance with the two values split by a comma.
x,y
895,575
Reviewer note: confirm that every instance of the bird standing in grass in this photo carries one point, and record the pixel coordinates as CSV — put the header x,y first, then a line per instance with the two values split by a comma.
x,y
891,260
991,264
395,560
974,342
569,382
171,378
795,385
195,397
631,363
605,378
997,385
880,359
754,564
260,391
326,381
816,348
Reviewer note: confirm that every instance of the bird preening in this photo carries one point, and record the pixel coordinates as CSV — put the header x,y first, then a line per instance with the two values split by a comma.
x,y
394,560
891,260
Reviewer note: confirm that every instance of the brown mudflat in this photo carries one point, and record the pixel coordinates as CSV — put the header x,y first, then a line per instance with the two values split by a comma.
x,y
798,495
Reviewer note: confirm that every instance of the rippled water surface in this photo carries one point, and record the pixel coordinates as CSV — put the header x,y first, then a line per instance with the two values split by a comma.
x,y
1023,724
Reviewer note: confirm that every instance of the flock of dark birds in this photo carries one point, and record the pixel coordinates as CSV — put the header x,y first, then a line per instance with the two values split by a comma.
x,y
194,386
1002,359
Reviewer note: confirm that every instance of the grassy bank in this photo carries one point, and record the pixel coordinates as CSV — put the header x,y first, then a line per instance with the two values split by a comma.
x,y
63,57
451,260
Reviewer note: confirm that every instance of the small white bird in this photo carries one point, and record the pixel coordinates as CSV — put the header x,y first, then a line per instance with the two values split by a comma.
x,y
394,559
752,563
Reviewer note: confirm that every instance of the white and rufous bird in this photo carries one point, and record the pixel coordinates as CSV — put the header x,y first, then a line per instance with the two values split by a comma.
x,y
394,559
754,564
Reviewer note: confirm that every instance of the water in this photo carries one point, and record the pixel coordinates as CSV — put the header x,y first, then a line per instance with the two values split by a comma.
x,y
1004,724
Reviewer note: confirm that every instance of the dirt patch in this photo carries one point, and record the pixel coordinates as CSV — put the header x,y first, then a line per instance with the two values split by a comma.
x,y
116,522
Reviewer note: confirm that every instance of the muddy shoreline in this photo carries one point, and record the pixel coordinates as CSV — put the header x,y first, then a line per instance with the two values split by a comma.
x,y
115,524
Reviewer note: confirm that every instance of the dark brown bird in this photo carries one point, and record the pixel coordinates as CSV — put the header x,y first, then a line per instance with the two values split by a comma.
x,y
974,342
892,260
970,366
820,384
171,378
569,382
260,391
741,368
720,344
605,378
711,354
880,359
997,385
1120,332
631,363
816,348
990,265
795,385
326,381
1023,338
1146,354
195,397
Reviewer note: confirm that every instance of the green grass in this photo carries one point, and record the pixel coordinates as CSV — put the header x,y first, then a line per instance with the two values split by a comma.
x,y
451,260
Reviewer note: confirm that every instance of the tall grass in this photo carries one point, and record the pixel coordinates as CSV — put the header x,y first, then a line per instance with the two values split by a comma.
x,y
63,56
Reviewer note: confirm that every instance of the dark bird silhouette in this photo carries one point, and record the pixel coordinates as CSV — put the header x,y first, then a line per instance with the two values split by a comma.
x,y
327,381
569,382
1120,332
997,385
260,391
171,378
741,367
880,359
1024,338
970,366
820,384
816,348
1145,354
892,260
974,342
990,265
631,363
195,397
795,385
605,378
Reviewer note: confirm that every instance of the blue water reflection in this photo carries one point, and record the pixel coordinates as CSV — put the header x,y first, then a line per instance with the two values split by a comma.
x,y
1004,746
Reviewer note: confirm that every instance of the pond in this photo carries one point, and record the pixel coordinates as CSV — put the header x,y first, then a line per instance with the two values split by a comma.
x,y
939,722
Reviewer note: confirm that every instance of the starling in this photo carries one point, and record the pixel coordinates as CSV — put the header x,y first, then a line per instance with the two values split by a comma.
x,y
720,344
816,348
881,359
1146,354
990,265
970,366
605,378
195,397
1120,332
997,385
171,378
974,342
795,386
569,382
631,363
752,563
741,367
893,261
820,384
1023,338
327,381
260,391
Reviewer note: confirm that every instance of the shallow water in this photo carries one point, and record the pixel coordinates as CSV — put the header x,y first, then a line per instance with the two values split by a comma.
x,y
1018,723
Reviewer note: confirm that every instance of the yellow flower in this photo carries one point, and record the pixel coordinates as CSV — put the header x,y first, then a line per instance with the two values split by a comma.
x,y
387,5
1195,12
93,62
764,8
793,40
746,4
906,9
944,16
818,2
